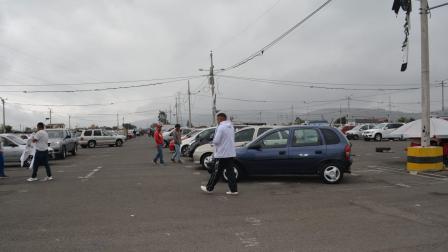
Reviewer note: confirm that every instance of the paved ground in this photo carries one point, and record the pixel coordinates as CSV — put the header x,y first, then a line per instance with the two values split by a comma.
x,y
114,199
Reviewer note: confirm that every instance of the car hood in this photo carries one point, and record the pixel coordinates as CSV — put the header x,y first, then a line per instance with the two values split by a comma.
x,y
54,140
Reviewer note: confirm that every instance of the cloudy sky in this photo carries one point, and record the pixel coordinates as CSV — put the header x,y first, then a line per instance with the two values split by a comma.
x,y
63,45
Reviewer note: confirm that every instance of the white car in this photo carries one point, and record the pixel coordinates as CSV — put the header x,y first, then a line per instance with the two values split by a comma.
x,y
381,131
356,132
203,154
186,142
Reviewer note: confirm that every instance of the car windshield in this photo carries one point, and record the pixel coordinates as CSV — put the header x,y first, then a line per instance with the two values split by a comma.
x,y
17,140
380,126
55,134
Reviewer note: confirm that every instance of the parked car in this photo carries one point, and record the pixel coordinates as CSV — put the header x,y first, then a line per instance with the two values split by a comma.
x,y
94,137
381,131
62,142
296,150
202,138
346,128
203,154
13,147
356,132
186,142
168,135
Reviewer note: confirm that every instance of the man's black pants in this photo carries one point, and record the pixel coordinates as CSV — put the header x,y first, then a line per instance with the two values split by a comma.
x,y
41,158
221,165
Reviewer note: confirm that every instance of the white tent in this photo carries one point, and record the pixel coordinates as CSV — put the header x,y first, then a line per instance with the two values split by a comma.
x,y
438,129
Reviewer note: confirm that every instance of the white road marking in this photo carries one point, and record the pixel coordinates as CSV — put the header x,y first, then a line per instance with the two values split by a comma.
x,y
196,173
188,166
403,185
222,198
90,173
247,240
253,221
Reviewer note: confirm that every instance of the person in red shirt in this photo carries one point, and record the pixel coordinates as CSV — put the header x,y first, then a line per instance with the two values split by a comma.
x,y
158,138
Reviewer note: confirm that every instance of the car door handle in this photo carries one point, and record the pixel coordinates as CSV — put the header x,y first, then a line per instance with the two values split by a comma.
x,y
318,152
303,155
282,152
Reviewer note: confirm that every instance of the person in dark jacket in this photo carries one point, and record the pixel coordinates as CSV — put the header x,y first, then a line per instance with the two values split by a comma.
x,y
177,137
158,138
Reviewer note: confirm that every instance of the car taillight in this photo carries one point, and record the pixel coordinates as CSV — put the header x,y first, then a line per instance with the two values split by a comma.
x,y
347,151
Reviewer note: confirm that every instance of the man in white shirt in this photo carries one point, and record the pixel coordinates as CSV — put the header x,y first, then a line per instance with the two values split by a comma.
x,y
224,154
41,156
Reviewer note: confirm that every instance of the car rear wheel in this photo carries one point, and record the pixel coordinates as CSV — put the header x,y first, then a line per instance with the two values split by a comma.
x,y
119,143
63,154
206,161
75,150
184,150
331,173
91,144
378,137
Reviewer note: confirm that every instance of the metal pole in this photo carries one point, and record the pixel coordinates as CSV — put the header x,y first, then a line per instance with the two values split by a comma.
x,y
292,114
177,110
189,106
50,116
425,136
118,123
211,81
348,110
443,98
4,123
69,122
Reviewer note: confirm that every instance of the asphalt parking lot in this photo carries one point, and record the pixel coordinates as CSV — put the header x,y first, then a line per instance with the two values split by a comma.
x,y
114,199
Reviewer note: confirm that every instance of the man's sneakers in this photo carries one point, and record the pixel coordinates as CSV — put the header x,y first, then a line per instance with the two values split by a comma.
x,y
36,179
47,178
204,189
232,193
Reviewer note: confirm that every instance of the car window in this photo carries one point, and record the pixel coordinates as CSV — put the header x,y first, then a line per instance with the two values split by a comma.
x,y
244,135
206,133
87,133
276,139
55,134
7,143
262,130
17,140
330,136
364,127
306,137
97,133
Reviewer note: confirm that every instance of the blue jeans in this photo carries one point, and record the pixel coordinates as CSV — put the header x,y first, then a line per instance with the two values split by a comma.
x,y
2,165
176,154
159,153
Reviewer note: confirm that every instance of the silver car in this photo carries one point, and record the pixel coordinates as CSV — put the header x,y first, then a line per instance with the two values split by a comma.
x,y
62,142
13,147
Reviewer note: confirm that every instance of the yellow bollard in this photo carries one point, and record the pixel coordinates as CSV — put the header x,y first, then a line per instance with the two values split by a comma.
x,y
425,158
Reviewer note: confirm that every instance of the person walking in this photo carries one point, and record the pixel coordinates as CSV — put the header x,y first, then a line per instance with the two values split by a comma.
x,y
177,137
41,155
158,138
224,154
2,162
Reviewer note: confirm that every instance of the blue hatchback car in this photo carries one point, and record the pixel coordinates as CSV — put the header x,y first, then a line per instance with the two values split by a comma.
x,y
297,150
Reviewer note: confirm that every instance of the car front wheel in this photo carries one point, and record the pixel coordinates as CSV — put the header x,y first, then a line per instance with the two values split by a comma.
x,y
331,173
207,161
75,150
118,143
63,154
91,144
378,137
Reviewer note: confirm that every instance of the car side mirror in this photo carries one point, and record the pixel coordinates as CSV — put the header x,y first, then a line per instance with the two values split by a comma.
x,y
255,146
68,136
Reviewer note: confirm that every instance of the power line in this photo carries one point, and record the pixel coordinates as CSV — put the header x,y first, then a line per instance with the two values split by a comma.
x,y
99,89
316,86
275,41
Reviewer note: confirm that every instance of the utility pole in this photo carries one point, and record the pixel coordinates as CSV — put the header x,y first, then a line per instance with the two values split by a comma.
x,y
425,134
340,115
348,109
259,116
118,123
177,109
390,110
4,124
442,84
189,106
292,114
170,114
50,115
211,81
69,122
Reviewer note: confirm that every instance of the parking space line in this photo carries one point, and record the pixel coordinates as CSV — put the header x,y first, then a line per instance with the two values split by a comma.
x,y
403,185
91,173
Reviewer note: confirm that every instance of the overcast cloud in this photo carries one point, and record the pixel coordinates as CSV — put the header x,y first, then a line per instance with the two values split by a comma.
x,y
349,41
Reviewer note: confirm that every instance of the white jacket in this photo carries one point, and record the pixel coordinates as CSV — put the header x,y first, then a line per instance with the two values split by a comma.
x,y
224,140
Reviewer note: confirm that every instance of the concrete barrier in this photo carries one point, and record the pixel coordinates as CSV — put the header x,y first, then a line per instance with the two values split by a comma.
x,y
425,158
